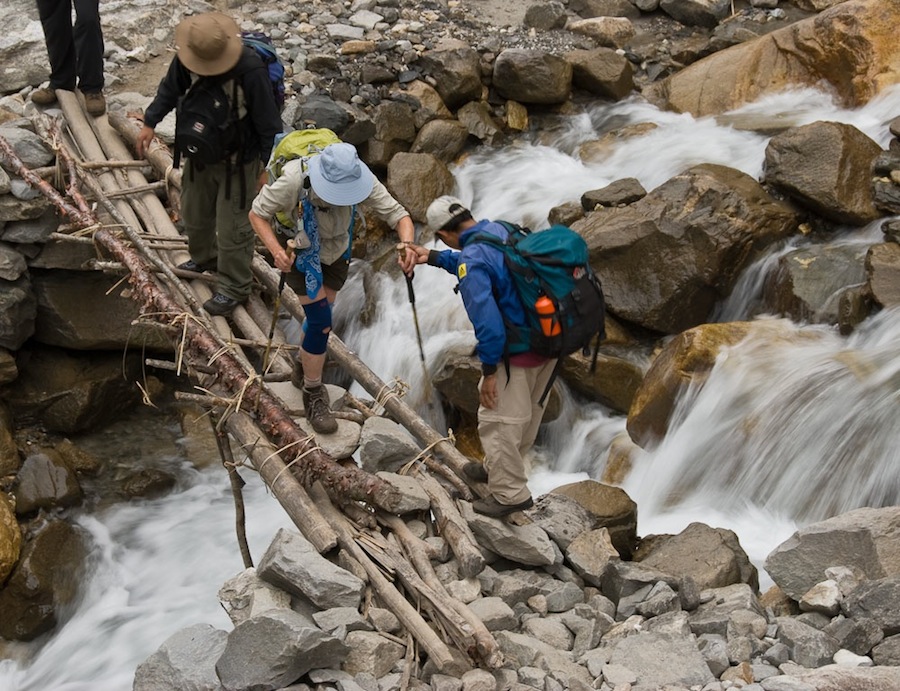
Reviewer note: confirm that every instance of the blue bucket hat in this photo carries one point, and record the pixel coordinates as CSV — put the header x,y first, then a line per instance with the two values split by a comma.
x,y
339,177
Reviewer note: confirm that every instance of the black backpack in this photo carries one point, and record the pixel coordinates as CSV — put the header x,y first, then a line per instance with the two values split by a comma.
x,y
206,123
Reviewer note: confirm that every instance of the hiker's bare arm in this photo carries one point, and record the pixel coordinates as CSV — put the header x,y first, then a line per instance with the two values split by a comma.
x,y
283,258
407,232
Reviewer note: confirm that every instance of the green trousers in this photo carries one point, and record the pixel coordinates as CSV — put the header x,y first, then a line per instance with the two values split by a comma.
x,y
216,222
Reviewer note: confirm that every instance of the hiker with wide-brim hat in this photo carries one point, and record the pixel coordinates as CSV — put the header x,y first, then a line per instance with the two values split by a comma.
x,y
317,196
213,66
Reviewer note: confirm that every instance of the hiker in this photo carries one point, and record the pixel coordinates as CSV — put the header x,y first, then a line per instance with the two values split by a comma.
x,y
318,194
511,385
217,189
75,52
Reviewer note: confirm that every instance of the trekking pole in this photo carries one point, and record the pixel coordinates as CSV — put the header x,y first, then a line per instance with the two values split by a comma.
x,y
275,309
412,302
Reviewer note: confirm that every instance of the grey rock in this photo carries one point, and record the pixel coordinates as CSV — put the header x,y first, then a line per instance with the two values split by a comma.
x,y
247,595
809,647
185,660
494,613
523,544
292,563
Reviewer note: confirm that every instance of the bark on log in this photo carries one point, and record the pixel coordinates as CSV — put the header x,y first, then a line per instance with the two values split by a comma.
x,y
158,154
453,527
290,494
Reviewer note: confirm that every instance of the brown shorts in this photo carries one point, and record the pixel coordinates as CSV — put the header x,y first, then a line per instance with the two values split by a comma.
x,y
334,276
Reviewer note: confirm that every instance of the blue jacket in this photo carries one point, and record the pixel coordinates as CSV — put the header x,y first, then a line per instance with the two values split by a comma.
x,y
486,287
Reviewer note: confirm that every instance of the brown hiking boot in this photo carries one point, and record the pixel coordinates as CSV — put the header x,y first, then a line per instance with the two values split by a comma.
x,y
44,96
94,103
318,412
493,508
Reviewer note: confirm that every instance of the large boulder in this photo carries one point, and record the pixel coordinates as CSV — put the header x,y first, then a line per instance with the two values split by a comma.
x,y
77,310
456,72
613,382
609,507
706,13
852,47
808,283
45,580
883,269
685,360
416,180
18,309
668,258
866,539
712,557
602,72
73,392
10,538
532,76
825,167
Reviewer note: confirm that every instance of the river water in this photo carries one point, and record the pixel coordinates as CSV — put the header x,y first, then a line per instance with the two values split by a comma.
x,y
783,433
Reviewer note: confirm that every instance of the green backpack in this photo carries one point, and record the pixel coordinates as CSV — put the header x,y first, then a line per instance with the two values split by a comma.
x,y
297,144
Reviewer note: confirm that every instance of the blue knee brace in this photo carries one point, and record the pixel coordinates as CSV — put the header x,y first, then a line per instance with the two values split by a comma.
x,y
317,326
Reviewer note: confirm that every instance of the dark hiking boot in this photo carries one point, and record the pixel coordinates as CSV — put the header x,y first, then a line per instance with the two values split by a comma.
x,y
44,96
493,508
94,103
191,265
220,305
297,374
318,412
476,472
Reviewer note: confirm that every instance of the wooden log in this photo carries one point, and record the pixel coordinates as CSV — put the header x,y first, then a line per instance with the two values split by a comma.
x,y
453,528
485,644
290,494
157,155
437,650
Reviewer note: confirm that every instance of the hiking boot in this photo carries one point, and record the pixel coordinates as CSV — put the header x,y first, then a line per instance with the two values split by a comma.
x,y
94,103
44,96
493,508
476,472
191,265
318,412
297,374
220,305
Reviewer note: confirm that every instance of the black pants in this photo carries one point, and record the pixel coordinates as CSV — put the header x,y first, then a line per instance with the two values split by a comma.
x,y
74,51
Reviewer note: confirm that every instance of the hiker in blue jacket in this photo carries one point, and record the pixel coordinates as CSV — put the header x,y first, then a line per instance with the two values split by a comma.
x,y
511,385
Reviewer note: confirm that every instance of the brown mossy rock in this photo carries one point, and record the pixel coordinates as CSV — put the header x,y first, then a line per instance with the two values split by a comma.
x,y
10,538
610,507
852,47
613,382
45,579
686,359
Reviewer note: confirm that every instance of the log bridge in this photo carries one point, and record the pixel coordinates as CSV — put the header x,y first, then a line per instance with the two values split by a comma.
x,y
336,506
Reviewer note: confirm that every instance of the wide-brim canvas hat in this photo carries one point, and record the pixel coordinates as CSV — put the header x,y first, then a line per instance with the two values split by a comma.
x,y
445,212
208,44
339,177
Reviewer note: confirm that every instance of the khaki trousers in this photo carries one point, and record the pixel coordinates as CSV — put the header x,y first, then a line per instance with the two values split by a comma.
x,y
217,225
509,430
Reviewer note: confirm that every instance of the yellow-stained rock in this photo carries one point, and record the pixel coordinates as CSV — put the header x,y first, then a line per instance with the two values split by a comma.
x,y
10,538
851,46
686,359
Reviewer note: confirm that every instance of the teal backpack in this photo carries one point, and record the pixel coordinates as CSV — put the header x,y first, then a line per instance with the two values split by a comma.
x,y
559,290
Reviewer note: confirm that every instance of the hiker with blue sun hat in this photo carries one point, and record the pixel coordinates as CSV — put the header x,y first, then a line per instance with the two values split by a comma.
x,y
305,216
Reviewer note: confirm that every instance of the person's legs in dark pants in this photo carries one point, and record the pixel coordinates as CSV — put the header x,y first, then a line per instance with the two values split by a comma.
x,y
56,19
88,40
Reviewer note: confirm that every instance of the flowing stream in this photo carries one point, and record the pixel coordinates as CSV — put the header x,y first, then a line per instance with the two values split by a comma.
x,y
785,431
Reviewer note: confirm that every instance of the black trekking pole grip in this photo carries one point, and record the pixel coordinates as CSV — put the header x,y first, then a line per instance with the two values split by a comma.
x,y
409,288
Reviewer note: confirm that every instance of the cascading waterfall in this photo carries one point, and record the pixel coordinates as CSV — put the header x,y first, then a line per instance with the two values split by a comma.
x,y
785,431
